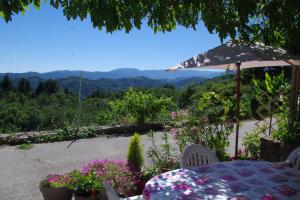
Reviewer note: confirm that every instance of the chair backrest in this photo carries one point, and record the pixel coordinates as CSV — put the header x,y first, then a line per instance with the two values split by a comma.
x,y
110,192
197,155
294,158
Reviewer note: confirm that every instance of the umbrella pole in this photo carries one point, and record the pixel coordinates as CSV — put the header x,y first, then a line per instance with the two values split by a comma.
x,y
238,94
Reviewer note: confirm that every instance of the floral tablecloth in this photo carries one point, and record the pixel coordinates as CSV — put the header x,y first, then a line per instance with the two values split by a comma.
x,y
234,180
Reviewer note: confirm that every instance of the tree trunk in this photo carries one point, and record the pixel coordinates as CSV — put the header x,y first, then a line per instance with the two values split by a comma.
x,y
294,105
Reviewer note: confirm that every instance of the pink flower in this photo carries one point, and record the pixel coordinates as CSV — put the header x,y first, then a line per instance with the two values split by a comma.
x,y
174,115
173,132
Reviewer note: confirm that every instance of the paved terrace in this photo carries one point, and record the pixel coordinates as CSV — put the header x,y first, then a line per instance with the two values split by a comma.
x,y
22,170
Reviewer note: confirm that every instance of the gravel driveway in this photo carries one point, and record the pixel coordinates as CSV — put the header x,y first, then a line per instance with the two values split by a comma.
x,y
22,170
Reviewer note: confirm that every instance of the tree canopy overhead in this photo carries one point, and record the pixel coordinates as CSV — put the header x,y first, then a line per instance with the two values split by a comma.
x,y
275,22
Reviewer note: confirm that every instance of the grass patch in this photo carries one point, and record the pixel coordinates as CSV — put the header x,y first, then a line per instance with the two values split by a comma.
x,y
25,146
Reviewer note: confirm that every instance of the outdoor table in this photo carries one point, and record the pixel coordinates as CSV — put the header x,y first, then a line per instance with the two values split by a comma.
x,y
235,180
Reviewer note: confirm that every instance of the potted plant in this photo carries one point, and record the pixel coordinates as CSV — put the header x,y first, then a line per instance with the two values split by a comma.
x,y
86,186
57,187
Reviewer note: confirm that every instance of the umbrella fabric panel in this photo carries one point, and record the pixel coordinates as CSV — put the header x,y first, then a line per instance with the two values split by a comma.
x,y
232,52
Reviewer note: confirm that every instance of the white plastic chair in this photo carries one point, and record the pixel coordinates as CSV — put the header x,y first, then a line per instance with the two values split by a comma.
x,y
294,159
197,155
112,195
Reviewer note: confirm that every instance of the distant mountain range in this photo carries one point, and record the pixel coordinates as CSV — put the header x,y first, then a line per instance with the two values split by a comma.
x,y
117,74
119,79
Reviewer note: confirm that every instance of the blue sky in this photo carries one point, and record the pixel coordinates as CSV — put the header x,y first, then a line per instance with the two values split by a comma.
x,y
44,40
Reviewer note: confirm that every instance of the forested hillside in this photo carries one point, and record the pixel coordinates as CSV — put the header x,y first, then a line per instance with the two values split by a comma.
x,y
89,86
48,105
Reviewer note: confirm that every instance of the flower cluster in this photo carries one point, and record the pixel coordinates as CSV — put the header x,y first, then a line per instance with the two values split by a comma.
x,y
58,181
118,173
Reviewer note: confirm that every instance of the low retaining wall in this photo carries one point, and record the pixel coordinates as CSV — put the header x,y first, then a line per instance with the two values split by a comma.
x,y
120,130
128,129
275,151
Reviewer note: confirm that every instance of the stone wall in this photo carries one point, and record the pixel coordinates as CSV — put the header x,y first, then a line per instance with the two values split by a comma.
x,y
275,151
121,130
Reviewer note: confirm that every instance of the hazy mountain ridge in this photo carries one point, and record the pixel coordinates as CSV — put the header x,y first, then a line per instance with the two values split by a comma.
x,y
116,74
115,80
108,84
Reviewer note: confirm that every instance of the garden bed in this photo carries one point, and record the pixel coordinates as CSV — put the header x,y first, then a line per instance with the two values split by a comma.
x,y
71,133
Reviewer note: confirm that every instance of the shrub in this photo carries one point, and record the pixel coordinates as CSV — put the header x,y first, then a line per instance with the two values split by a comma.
x,y
252,143
164,157
118,173
141,105
206,123
135,154
66,133
287,131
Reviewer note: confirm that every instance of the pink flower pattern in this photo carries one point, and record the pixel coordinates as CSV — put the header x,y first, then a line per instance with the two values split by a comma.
x,y
233,180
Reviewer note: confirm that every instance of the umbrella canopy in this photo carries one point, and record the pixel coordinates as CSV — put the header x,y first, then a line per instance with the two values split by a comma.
x,y
227,55
234,55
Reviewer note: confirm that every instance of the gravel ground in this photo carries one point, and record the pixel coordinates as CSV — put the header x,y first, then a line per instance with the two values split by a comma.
x,y
22,170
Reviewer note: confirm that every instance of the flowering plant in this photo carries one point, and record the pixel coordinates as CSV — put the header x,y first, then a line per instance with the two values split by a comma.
x,y
58,181
164,157
206,123
85,185
118,173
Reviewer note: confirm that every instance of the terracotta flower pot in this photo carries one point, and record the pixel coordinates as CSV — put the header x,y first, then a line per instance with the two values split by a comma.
x,y
56,193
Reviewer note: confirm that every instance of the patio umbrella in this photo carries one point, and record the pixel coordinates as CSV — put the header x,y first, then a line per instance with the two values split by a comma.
x,y
234,55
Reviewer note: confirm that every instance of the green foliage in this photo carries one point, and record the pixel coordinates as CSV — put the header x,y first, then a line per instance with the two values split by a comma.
x,y
268,94
273,22
164,157
185,96
247,75
287,132
6,84
58,181
49,87
21,110
25,146
208,123
67,133
7,8
252,142
225,87
213,107
85,185
135,155
24,86
141,105
150,172
273,86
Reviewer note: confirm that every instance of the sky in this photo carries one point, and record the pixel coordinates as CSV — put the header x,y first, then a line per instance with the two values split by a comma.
x,y
44,40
